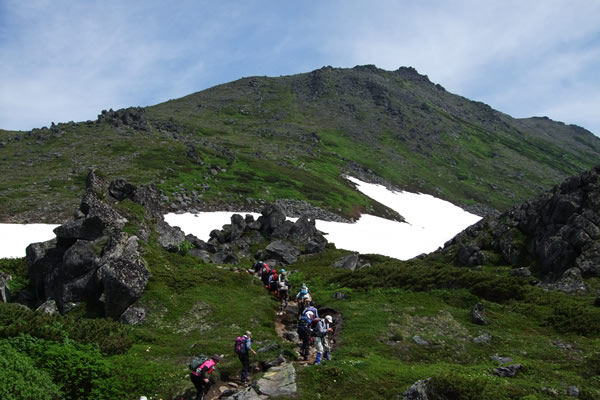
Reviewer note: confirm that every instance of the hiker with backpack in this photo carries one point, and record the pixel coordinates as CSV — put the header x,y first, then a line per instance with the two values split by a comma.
x,y
265,273
304,332
310,309
273,282
201,368
258,266
243,347
320,330
282,290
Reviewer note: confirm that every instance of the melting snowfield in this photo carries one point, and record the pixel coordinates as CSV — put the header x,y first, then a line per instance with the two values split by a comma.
x,y
14,238
430,222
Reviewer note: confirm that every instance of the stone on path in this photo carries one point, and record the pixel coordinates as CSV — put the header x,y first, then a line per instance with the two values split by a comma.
x,y
278,381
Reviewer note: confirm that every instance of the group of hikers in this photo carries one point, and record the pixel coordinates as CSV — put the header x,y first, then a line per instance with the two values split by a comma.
x,y
311,329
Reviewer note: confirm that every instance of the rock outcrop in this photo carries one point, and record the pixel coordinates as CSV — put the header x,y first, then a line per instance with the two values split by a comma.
x,y
92,259
553,233
286,240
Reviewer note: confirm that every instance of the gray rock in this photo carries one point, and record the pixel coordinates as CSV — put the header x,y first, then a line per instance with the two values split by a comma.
x,y
278,381
121,189
133,316
510,371
340,296
267,348
500,360
246,394
573,391
418,391
571,281
201,254
477,314
169,237
483,338
48,307
4,290
470,255
349,262
275,362
420,341
522,272
292,336
124,282
282,251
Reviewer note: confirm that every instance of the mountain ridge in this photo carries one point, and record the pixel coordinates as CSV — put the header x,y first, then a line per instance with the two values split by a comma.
x,y
258,139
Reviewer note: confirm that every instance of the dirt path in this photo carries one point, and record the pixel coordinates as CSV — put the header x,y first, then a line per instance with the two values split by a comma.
x,y
286,325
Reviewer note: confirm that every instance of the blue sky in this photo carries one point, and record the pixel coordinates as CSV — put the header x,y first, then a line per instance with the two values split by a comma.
x,y
68,60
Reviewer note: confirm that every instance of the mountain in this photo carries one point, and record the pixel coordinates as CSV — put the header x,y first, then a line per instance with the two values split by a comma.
x,y
259,139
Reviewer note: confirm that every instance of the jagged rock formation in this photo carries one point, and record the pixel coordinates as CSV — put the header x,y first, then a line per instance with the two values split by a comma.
x,y
557,234
92,259
287,240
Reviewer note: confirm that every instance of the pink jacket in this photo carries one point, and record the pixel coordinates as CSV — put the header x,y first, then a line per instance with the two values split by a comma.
x,y
207,367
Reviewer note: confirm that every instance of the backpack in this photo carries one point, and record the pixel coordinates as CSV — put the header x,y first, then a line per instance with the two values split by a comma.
x,y
198,361
303,324
239,347
321,328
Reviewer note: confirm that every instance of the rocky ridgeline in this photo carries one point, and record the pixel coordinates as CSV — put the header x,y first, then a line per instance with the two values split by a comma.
x,y
558,233
93,259
287,240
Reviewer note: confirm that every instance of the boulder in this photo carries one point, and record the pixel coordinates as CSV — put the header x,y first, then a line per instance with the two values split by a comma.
x,y
169,237
133,316
272,217
570,282
420,341
483,338
349,262
282,251
340,296
238,225
278,381
201,254
267,348
470,255
477,314
418,391
48,307
246,394
292,336
124,282
510,371
500,360
523,272
275,362
573,391
120,189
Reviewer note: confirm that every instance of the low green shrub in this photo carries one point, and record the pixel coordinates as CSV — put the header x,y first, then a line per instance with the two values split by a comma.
x,y
17,373
111,336
570,317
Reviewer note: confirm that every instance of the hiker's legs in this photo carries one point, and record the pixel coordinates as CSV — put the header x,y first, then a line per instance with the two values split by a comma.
x,y
305,345
201,387
326,348
245,359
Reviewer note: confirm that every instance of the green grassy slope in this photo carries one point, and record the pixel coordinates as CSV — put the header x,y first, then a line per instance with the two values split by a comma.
x,y
265,138
197,308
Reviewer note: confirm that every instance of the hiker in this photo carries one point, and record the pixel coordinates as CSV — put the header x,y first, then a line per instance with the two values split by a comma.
x,y
320,330
258,267
282,290
310,308
273,279
304,332
264,275
243,347
200,377
303,298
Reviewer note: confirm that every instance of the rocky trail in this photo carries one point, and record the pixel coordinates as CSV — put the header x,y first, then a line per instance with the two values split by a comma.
x,y
278,375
